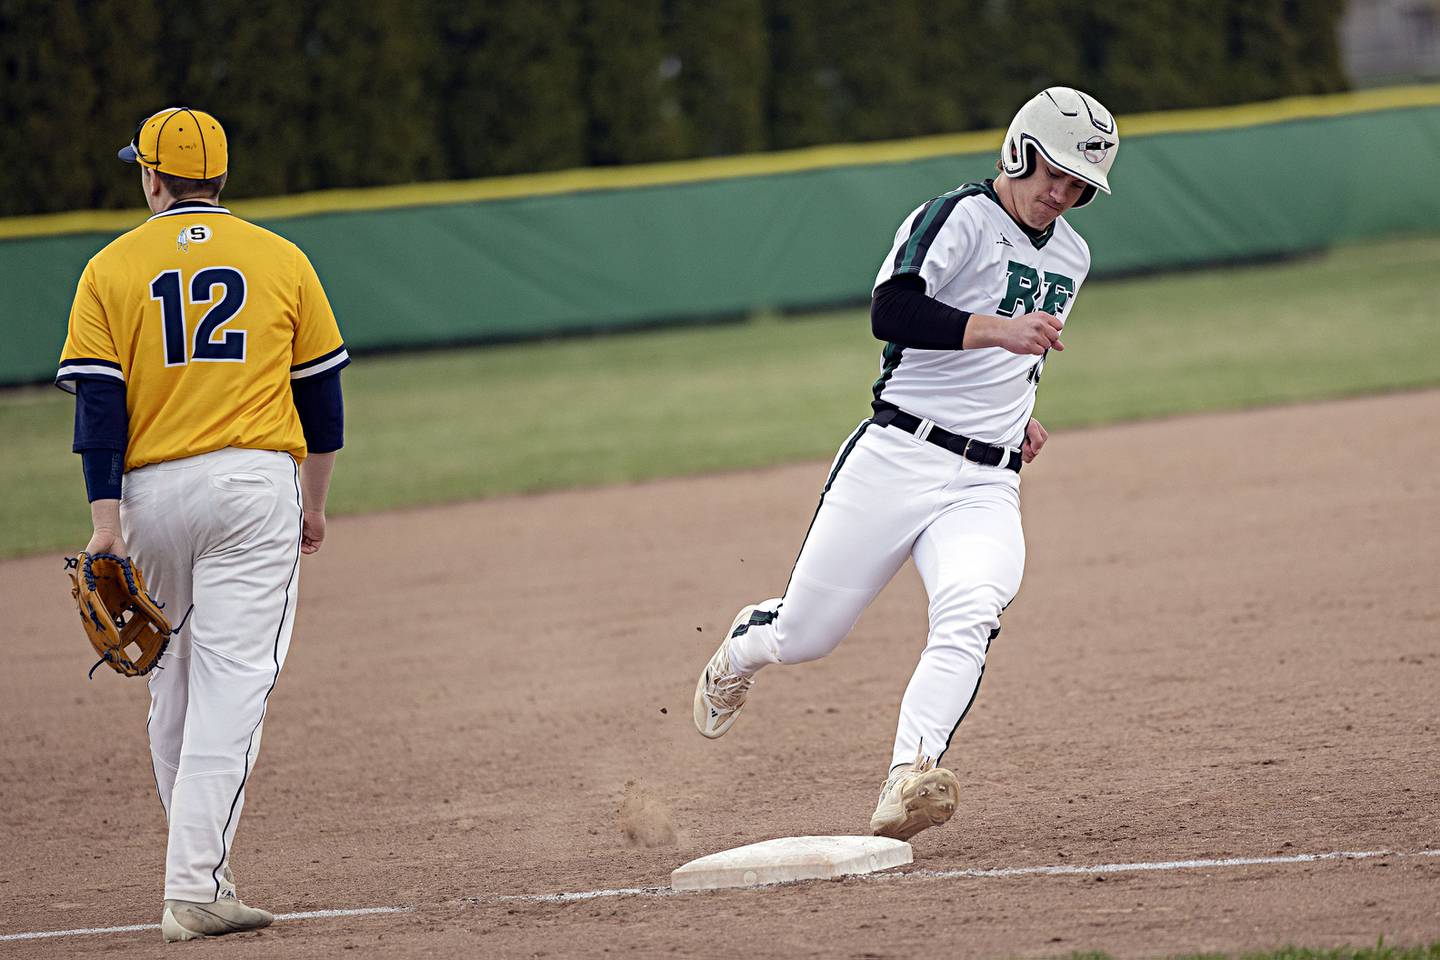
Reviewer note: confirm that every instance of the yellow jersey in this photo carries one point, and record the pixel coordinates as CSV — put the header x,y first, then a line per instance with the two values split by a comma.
x,y
206,319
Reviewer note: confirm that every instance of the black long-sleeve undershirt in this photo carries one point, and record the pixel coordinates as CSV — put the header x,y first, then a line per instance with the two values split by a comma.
x,y
900,312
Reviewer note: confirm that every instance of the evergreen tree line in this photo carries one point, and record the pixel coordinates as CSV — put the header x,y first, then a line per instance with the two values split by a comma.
x,y
318,94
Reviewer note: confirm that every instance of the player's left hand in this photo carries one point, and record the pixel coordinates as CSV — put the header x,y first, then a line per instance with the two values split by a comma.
x,y
1035,437
312,531
105,521
106,541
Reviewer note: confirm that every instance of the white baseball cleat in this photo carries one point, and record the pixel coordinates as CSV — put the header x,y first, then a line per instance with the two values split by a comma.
x,y
915,798
187,920
721,691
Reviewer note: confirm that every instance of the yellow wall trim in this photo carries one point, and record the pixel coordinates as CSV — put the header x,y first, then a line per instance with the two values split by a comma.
x,y
721,168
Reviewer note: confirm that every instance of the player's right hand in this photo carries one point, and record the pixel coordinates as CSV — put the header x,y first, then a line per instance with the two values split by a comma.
x,y
1033,333
312,531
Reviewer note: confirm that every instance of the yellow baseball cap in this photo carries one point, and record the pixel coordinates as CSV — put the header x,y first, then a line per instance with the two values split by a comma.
x,y
181,142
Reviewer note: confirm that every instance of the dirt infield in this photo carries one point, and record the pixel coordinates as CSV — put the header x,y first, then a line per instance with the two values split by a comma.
x,y
1226,646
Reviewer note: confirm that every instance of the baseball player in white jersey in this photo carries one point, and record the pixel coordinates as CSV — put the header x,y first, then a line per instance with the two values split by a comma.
x,y
206,363
970,300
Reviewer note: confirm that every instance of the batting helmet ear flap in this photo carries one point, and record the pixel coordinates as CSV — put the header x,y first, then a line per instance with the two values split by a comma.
x,y
1013,159
1019,160
1086,195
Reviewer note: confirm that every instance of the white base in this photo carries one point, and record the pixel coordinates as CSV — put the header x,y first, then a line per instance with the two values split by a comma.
x,y
791,858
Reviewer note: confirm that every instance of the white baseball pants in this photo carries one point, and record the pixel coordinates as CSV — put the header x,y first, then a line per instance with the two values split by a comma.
x,y
220,531
892,496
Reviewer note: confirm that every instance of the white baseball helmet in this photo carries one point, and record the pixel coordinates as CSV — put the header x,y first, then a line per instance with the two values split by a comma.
x,y
1071,130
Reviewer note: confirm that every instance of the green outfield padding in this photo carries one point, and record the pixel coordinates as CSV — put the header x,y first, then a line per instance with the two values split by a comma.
x,y
535,265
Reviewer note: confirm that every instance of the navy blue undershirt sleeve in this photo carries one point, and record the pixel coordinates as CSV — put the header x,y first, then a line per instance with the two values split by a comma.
x,y
104,472
102,430
321,406
901,313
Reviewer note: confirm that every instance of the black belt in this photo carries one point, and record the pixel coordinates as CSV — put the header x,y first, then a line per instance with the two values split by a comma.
x,y
976,451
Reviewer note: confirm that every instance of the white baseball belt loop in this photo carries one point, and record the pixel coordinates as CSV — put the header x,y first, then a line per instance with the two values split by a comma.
x,y
922,432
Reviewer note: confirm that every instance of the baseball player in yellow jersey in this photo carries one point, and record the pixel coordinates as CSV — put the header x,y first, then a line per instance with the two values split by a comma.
x,y
205,362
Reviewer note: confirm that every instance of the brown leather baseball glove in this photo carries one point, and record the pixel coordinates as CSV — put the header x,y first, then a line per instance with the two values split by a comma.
x,y
119,613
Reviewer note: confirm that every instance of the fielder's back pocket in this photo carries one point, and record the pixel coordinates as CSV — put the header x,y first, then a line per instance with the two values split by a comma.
x,y
242,505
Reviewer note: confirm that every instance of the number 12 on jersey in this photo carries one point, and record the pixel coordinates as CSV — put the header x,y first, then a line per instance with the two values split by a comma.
x,y
168,287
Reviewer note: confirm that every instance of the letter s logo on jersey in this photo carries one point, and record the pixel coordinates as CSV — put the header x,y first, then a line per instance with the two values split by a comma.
x,y
196,233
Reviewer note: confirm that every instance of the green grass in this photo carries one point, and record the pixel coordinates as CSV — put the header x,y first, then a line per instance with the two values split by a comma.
x,y
434,427
1378,952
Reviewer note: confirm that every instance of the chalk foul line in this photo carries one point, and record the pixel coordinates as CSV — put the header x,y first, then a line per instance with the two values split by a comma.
x,y
1100,868
1064,869
1057,870
135,927
578,895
